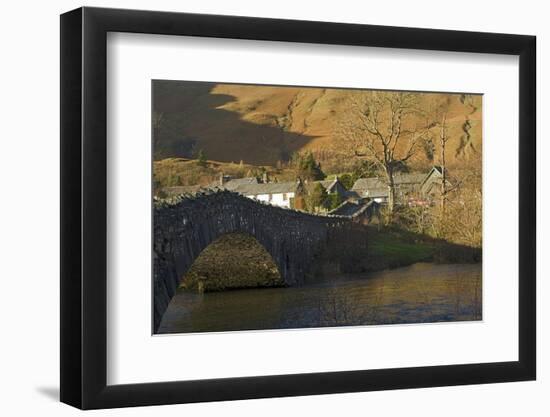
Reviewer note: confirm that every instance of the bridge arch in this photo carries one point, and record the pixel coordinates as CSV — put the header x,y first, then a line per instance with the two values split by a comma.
x,y
185,226
234,260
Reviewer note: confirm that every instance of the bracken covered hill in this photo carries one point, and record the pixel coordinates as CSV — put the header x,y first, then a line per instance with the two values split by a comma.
x,y
262,125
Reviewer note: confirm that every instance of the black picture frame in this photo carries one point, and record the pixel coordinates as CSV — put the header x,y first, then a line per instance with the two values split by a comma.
x,y
84,207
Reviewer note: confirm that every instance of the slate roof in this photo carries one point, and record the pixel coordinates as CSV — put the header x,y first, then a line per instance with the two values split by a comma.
x,y
398,179
347,208
246,186
353,195
377,187
328,184
351,209
237,182
374,187
363,184
335,186
434,179
269,188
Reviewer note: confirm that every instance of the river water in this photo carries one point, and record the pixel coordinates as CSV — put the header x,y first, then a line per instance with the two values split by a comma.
x,y
420,293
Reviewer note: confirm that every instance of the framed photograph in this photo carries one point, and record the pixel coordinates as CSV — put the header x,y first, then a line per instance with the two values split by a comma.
x,y
257,208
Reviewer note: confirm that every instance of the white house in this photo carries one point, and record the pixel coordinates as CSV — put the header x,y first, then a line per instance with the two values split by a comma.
x,y
281,194
276,193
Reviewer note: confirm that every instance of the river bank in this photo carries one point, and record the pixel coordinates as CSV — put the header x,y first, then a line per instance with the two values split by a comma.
x,y
238,261
392,247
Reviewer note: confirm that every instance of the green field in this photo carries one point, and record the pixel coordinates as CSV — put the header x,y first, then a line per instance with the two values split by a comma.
x,y
392,249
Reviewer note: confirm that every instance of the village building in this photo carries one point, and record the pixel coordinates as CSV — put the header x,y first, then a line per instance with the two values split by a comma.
x,y
334,186
410,188
431,186
361,211
362,202
230,184
279,194
373,188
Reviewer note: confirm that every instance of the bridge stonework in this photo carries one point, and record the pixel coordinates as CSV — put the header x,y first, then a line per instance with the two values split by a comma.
x,y
295,240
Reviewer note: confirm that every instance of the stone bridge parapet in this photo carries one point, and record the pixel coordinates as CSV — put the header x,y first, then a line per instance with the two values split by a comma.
x,y
185,225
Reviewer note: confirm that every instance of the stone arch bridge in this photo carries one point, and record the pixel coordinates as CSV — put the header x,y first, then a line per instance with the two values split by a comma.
x,y
298,242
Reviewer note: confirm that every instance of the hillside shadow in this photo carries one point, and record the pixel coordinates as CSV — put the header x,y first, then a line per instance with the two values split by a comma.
x,y
191,120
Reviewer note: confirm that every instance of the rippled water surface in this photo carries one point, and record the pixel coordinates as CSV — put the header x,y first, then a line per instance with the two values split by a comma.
x,y
420,293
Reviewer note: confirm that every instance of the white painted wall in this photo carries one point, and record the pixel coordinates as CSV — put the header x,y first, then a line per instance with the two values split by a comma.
x,y
30,348
279,199
282,199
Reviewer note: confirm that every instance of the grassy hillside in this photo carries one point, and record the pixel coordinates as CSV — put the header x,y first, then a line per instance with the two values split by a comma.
x,y
181,171
262,125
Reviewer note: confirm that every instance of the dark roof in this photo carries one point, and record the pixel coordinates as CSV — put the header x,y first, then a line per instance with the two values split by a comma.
x,y
328,184
352,209
379,183
347,208
373,187
246,186
378,187
353,195
269,188
237,182
363,184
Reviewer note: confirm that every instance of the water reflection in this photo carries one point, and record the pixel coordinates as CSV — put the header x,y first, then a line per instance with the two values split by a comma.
x,y
421,293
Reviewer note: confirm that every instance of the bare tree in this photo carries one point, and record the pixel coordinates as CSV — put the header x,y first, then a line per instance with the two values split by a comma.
x,y
464,220
440,114
443,138
387,128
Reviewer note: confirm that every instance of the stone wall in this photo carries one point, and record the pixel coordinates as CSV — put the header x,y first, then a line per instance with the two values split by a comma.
x,y
185,225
